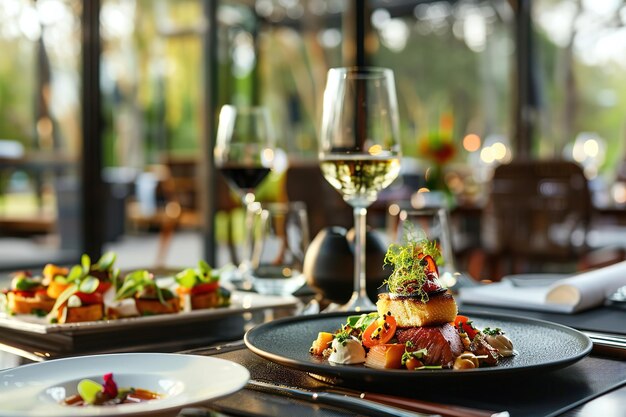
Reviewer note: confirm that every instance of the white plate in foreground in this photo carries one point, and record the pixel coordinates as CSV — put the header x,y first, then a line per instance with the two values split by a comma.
x,y
36,390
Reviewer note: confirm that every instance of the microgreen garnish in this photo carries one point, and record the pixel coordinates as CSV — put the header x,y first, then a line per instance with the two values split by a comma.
x,y
343,335
492,332
190,277
361,322
409,354
137,282
25,283
409,272
429,367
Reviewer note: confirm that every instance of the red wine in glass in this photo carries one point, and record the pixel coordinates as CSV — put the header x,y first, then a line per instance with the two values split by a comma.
x,y
245,178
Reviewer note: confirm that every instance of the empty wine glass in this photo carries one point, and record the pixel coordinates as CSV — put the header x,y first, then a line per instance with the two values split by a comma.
x,y
281,237
360,150
244,154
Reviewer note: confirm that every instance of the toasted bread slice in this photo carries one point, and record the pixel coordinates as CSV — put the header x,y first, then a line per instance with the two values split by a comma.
x,y
19,304
410,312
148,307
92,312
199,301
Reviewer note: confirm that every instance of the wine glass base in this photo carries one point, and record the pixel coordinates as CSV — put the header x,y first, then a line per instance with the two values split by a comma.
x,y
356,303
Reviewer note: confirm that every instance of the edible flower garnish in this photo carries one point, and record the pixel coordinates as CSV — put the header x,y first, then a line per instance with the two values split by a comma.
x,y
110,387
414,265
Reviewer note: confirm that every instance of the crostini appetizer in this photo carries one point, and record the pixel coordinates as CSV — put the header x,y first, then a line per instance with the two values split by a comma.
x,y
27,295
416,325
199,288
149,298
79,294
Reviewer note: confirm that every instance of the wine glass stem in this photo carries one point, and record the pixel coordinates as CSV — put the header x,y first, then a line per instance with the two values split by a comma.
x,y
246,262
360,215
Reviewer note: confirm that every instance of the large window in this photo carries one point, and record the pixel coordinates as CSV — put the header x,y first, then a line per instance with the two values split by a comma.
x,y
452,62
40,134
582,82
454,68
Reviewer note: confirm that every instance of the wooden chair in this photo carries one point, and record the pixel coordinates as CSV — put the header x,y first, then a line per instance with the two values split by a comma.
x,y
537,217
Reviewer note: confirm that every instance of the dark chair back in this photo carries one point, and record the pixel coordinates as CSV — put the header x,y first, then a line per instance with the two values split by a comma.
x,y
325,206
539,211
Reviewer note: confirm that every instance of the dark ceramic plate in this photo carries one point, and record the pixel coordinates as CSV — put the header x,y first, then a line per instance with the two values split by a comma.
x,y
541,346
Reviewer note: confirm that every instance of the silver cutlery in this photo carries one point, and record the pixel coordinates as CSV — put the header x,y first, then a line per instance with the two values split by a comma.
x,y
329,398
609,344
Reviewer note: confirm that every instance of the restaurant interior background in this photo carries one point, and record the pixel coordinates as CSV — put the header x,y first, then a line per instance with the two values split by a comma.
x,y
108,108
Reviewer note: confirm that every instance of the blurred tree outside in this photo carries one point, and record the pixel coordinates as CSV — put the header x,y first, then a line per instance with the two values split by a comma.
x,y
582,66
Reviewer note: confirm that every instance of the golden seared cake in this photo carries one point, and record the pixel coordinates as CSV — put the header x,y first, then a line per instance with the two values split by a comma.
x,y
413,312
416,297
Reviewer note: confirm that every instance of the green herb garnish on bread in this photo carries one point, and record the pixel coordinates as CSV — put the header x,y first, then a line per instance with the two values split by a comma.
x,y
416,296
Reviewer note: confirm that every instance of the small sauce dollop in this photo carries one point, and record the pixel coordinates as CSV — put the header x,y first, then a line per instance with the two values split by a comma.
x,y
348,352
501,343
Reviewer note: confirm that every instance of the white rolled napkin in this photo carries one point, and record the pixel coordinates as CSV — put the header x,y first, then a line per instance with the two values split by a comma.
x,y
567,295
588,289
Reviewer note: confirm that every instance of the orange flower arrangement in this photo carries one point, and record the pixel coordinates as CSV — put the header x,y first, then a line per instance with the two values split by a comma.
x,y
439,148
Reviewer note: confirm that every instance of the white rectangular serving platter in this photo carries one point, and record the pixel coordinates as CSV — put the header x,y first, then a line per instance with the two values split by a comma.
x,y
241,302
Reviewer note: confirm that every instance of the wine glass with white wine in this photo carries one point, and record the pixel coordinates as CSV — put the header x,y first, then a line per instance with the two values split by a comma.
x,y
360,150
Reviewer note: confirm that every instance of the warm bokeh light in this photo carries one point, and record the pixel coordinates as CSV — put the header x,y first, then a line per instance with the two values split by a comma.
x,y
375,150
394,209
455,183
487,155
499,150
267,156
591,148
471,142
618,192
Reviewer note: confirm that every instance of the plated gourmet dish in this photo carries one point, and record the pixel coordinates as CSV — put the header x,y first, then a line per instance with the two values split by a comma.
x,y
97,291
416,325
92,393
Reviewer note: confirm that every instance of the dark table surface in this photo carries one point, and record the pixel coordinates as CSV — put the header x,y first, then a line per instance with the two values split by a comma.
x,y
594,386
589,388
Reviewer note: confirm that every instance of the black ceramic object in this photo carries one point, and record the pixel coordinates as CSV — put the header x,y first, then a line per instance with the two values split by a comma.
x,y
329,264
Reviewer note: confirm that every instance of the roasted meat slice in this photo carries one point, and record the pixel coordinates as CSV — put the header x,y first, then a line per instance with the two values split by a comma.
x,y
480,347
442,343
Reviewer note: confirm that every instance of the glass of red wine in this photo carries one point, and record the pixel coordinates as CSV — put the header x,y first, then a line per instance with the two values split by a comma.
x,y
244,154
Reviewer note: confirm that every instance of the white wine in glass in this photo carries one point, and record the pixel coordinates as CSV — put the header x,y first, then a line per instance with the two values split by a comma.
x,y
360,150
